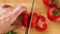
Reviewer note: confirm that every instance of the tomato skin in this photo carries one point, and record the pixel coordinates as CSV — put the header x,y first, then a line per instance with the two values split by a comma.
x,y
38,28
25,19
51,16
50,3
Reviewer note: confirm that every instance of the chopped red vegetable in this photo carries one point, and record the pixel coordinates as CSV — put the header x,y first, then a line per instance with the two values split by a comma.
x,y
25,19
41,25
50,2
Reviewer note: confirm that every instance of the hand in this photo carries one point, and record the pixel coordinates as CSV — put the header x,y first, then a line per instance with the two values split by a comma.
x,y
8,15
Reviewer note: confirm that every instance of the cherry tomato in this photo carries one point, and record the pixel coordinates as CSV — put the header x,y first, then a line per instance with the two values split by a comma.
x,y
41,25
50,2
25,19
53,14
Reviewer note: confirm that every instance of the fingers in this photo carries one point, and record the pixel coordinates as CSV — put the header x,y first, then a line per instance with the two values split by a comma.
x,y
9,28
5,10
9,18
16,12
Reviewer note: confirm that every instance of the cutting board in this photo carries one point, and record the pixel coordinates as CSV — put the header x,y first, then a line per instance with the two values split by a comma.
x,y
39,8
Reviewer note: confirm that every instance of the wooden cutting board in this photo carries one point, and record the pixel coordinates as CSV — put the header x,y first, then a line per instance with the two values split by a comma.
x,y
41,9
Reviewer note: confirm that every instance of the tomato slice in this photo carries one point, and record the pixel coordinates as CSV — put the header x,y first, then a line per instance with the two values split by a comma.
x,y
53,14
41,25
25,19
50,2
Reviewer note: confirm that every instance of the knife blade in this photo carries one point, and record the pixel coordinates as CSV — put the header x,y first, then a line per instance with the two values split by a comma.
x,y
30,19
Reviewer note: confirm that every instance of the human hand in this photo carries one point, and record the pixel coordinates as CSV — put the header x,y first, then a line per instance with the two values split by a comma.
x,y
8,15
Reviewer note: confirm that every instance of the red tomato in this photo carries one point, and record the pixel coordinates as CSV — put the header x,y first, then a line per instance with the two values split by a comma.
x,y
41,25
50,2
53,14
25,19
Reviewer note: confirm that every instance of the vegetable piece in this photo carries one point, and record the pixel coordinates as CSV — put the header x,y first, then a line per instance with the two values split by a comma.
x,y
50,2
25,19
41,25
53,14
34,19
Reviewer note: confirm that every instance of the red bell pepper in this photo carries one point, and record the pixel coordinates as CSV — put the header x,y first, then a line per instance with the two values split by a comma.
x,y
50,2
53,14
41,25
38,22
25,19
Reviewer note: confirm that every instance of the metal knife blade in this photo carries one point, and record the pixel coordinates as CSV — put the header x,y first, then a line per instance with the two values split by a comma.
x,y
30,19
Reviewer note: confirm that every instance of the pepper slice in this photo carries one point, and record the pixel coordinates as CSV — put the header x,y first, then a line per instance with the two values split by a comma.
x,y
38,22
25,19
41,25
53,14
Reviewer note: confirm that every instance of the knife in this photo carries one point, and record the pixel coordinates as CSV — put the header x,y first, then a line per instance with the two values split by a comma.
x,y
30,19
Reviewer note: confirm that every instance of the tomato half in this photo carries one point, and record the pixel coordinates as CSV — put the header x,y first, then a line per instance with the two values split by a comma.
x,y
41,25
53,14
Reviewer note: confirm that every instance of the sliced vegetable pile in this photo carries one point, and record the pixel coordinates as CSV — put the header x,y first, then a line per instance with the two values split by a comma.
x,y
38,21
25,19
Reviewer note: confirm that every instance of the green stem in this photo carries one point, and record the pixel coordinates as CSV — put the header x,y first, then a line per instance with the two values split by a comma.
x,y
56,12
